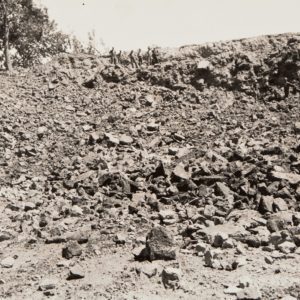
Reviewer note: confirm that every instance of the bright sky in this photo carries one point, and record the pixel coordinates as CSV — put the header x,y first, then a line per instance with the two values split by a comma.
x,y
132,24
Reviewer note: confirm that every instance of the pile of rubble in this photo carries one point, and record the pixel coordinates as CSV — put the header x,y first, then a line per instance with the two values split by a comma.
x,y
197,155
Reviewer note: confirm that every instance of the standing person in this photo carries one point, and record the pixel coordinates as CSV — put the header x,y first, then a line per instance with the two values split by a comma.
x,y
148,56
112,53
154,56
133,62
140,57
120,57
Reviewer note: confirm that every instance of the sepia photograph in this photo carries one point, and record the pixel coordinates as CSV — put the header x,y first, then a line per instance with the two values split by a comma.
x,y
149,149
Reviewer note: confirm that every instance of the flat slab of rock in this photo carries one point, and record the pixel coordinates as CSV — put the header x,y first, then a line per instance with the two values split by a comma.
x,y
125,140
290,177
252,293
48,284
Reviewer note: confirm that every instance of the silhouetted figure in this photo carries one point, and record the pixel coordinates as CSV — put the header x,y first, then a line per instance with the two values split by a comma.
x,y
133,61
113,58
140,57
120,57
149,56
154,56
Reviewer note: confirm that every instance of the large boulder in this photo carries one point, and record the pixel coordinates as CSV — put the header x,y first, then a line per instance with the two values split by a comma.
x,y
160,244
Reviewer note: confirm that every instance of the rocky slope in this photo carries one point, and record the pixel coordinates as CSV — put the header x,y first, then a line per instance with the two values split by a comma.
x,y
179,180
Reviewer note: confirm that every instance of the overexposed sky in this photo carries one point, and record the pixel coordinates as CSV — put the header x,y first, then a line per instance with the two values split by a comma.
x,y
132,24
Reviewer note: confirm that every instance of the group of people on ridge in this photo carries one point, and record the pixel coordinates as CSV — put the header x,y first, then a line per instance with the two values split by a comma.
x,y
150,57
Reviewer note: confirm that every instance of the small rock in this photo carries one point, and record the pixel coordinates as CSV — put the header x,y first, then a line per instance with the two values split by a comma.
x,y
149,270
5,236
168,216
41,131
125,140
286,247
140,253
171,277
245,282
280,221
231,290
139,197
150,100
266,204
219,239
203,65
76,211
111,139
229,244
269,260
296,239
277,255
153,127
201,248
172,151
297,127
212,259
81,235
297,251
7,262
239,262
133,208
29,206
180,173
240,249
223,190
251,293
71,249
179,136
75,272
290,177
284,193
94,137
48,284
209,211
280,205
120,239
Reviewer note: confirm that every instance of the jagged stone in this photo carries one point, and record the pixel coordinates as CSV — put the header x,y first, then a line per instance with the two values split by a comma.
x,y
71,249
160,244
280,221
76,272
290,177
171,277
